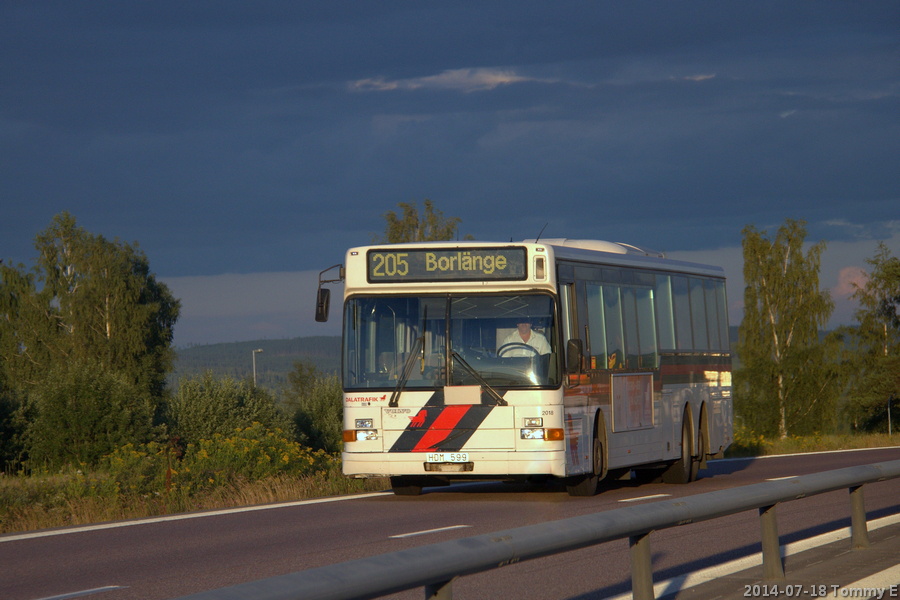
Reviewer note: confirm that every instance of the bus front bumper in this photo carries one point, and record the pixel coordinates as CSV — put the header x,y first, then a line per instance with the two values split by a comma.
x,y
477,464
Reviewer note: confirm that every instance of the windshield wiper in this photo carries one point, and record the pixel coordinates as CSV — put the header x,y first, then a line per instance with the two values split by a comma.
x,y
407,371
484,384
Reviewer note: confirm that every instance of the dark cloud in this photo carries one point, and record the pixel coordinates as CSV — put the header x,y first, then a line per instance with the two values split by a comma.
x,y
235,137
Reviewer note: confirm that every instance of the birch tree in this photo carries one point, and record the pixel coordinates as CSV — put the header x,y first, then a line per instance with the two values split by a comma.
x,y
411,227
89,315
788,379
875,360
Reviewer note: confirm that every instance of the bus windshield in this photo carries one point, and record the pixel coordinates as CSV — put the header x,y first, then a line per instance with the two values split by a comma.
x,y
502,340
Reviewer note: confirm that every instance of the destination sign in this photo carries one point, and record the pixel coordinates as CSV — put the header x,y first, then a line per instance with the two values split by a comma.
x,y
425,264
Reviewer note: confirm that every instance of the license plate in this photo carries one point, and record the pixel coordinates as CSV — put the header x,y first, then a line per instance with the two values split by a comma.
x,y
447,457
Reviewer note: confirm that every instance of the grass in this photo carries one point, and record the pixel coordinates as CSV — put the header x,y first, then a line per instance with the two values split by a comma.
x,y
29,503
745,445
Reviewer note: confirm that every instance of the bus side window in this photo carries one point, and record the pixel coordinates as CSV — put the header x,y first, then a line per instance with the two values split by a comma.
x,y
698,315
684,334
630,322
647,329
615,335
717,337
598,358
722,303
665,317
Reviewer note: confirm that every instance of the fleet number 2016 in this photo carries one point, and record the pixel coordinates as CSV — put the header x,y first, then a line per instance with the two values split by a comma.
x,y
390,265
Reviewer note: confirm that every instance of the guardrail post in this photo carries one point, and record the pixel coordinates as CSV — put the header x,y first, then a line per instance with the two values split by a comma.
x,y
859,533
771,549
439,591
641,568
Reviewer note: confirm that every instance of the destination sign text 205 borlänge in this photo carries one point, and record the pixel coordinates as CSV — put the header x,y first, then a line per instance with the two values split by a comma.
x,y
418,264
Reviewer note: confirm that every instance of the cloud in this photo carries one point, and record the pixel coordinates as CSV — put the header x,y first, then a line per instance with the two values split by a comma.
x,y
461,80
868,231
849,279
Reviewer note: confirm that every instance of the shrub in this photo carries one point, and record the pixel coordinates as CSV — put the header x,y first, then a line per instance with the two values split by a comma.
x,y
141,469
205,406
83,411
248,454
746,442
11,426
319,415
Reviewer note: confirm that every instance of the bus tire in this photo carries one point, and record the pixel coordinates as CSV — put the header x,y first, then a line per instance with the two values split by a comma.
x,y
406,486
682,470
703,439
588,484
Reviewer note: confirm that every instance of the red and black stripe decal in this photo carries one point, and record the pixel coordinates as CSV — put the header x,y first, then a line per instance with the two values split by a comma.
x,y
439,428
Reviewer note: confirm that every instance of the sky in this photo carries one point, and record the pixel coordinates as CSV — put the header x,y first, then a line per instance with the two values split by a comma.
x,y
244,146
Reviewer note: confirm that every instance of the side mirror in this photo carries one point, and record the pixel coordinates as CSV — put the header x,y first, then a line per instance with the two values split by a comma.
x,y
574,354
323,300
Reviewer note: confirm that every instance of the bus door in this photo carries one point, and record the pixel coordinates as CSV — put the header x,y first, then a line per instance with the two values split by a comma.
x,y
579,422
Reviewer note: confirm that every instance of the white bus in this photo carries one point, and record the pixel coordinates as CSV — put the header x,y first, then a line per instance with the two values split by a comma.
x,y
570,359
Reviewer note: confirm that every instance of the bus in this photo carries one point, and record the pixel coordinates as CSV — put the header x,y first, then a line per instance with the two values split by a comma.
x,y
546,360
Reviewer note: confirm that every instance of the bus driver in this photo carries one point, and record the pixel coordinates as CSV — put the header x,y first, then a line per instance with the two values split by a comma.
x,y
524,335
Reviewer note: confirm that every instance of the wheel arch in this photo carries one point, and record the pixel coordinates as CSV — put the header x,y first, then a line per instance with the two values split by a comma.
x,y
687,416
602,437
703,441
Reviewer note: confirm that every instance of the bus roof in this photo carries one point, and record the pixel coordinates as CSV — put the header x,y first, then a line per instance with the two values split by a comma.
x,y
617,253
579,250
597,246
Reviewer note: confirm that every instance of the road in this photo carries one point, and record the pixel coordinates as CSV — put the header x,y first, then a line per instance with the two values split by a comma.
x,y
169,557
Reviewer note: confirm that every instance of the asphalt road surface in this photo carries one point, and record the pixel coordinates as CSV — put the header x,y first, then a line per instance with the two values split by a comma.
x,y
158,559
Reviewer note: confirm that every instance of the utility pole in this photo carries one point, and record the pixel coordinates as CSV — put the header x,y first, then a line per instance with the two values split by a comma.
x,y
890,401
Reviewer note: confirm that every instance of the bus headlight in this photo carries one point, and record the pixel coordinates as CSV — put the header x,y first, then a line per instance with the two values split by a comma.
x,y
534,422
550,435
364,424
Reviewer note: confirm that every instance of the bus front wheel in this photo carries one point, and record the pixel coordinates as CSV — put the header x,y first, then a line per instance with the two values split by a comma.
x,y
588,484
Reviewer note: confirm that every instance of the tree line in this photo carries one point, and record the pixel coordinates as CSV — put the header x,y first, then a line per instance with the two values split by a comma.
x,y
86,346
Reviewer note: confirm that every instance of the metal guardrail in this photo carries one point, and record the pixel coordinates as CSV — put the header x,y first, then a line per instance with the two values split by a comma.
x,y
436,565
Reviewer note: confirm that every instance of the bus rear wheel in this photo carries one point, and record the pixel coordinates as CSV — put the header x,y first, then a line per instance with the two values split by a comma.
x,y
683,470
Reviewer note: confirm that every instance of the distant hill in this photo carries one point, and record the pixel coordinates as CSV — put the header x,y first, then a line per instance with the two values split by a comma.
x,y
273,364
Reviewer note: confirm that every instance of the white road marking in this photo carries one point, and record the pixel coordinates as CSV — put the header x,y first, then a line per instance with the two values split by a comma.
x,y
181,517
645,498
107,588
768,456
427,531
